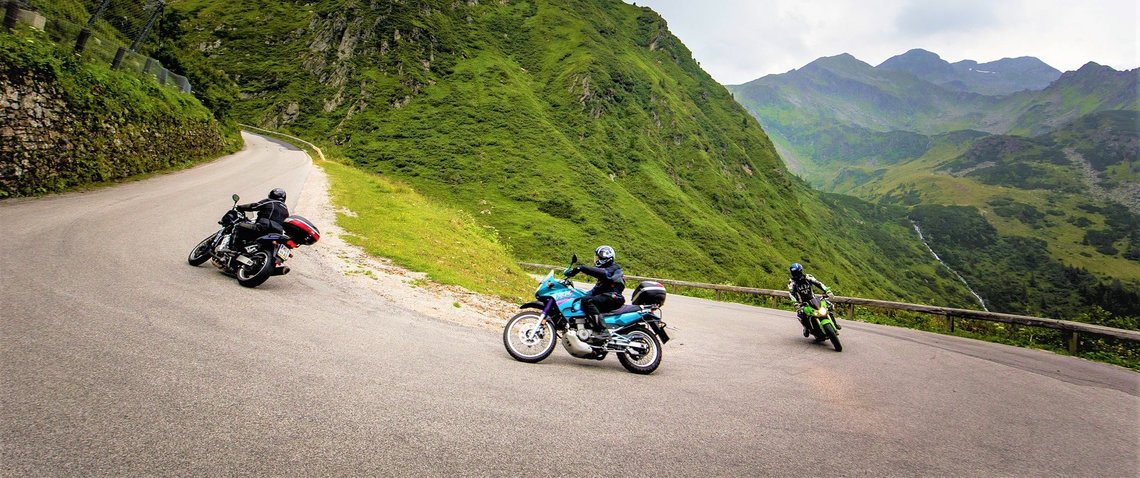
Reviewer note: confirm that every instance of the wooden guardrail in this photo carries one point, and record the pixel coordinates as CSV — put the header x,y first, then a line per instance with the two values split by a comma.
x,y
1074,328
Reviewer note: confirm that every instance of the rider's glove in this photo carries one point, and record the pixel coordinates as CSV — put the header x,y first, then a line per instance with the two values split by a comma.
x,y
572,271
826,291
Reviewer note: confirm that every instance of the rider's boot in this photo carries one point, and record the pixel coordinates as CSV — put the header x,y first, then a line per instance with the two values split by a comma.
x,y
807,331
836,322
602,333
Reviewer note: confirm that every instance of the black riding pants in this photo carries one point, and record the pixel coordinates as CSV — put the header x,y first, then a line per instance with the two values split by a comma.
x,y
248,232
595,305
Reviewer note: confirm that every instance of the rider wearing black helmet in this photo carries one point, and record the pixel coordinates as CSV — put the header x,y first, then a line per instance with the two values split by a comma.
x,y
799,287
271,214
606,294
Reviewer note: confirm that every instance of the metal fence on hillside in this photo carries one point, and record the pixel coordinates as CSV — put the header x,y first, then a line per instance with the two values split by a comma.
x,y
88,27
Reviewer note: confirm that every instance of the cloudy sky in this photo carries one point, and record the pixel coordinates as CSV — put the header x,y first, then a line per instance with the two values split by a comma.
x,y
740,40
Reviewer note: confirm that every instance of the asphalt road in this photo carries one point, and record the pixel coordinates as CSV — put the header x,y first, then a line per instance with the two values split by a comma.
x,y
117,358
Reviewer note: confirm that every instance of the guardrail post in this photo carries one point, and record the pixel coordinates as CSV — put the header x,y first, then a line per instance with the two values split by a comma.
x,y
1074,342
11,13
851,311
81,42
118,58
718,295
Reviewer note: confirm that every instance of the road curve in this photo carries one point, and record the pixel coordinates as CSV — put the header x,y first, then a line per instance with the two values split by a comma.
x,y
117,358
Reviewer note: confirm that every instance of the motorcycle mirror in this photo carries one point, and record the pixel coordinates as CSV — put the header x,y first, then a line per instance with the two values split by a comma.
x,y
235,197
574,260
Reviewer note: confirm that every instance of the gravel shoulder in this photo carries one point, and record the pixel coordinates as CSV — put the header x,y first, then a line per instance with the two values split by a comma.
x,y
381,278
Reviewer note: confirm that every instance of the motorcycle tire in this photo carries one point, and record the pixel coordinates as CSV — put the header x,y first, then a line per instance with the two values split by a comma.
x,y
254,275
201,252
644,363
535,337
833,337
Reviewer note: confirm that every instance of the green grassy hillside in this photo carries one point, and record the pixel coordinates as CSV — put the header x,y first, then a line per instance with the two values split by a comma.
x,y
1073,188
556,125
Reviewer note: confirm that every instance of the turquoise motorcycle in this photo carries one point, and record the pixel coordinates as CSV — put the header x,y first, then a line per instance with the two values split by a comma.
x,y
636,330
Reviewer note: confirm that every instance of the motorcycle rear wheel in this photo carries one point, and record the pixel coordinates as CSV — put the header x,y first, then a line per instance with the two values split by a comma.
x,y
255,274
833,336
529,338
201,252
646,362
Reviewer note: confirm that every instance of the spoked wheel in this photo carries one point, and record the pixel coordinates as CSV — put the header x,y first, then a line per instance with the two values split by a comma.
x,y
529,338
833,336
201,252
644,354
254,274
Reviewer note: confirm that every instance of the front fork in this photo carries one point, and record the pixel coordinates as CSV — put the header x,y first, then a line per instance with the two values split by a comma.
x,y
545,317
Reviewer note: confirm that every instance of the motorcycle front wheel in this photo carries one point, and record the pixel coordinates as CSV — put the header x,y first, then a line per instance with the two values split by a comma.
x,y
255,274
529,338
833,336
201,252
645,360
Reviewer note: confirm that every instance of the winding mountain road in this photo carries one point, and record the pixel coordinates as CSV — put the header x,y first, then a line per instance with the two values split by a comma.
x,y
117,358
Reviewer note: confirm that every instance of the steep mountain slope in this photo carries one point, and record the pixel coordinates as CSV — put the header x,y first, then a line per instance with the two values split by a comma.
x,y
1090,89
561,125
839,110
848,91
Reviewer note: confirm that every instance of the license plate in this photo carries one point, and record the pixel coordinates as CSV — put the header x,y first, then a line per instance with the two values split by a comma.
x,y
283,253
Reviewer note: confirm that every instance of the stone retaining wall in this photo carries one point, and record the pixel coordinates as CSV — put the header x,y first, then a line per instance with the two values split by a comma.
x,y
47,145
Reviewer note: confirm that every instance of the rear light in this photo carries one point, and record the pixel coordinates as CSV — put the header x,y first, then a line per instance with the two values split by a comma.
x,y
290,244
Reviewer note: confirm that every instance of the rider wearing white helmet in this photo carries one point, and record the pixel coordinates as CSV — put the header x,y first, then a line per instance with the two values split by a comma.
x,y
606,294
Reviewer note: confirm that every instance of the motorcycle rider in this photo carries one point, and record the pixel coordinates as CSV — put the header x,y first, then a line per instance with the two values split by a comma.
x,y
607,292
800,288
271,214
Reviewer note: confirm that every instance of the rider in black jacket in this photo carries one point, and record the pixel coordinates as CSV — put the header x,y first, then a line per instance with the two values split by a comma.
x,y
271,214
606,294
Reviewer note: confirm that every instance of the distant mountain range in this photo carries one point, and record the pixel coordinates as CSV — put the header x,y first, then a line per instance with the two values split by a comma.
x,y
1001,77
1049,162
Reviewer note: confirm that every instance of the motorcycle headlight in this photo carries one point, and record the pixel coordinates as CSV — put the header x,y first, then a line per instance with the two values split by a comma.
x,y
821,312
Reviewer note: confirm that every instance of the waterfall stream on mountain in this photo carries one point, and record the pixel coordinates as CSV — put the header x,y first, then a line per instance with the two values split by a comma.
x,y
951,269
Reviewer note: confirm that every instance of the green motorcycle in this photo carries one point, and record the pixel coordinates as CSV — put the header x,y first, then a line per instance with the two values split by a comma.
x,y
821,320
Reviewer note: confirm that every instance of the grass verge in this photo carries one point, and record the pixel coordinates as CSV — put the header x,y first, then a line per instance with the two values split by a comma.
x,y
389,219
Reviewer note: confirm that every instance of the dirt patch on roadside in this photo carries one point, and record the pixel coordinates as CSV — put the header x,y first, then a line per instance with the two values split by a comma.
x,y
381,278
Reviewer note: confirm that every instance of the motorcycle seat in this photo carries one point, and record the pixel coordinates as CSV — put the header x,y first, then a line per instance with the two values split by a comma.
x,y
273,236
